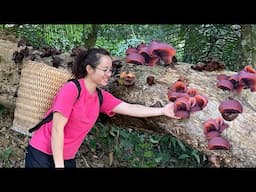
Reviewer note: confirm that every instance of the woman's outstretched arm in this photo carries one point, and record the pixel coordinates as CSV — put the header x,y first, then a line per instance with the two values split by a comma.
x,y
137,110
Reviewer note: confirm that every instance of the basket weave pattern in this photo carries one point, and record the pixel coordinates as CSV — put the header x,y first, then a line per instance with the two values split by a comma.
x,y
38,85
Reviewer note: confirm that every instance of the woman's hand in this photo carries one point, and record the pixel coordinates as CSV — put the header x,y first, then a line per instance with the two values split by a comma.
x,y
168,110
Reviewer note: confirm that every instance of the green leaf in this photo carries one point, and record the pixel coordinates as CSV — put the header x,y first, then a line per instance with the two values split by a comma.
x,y
93,145
153,140
7,153
124,134
182,146
194,153
112,133
173,141
148,154
183,156
158,159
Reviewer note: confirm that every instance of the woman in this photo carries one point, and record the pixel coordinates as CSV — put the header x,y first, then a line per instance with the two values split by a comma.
x,y
56,143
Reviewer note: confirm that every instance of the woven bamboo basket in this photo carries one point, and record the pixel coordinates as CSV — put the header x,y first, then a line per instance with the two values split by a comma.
x,y
38,85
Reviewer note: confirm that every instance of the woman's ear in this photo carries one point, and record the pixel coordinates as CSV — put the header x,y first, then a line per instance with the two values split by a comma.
x,y
89,69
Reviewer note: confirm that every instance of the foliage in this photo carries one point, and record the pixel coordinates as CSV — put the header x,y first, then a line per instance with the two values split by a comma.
x,y
60,36
124,44
34,34
110,46
125,35
210,40
193,43
63,37
132,148
5,156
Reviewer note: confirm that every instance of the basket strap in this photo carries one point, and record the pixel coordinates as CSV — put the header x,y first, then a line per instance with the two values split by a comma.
x,y
47,119
77,85
100,95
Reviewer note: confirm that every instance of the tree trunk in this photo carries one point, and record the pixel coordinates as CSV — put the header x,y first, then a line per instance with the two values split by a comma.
x,y
90,38
246,47
241,132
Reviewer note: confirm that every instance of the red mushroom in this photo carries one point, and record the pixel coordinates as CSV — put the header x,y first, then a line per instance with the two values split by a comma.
x,y
212,134
248,80
225,85
162,50
131,50
218,143
135,58
217,124
230,109
182,107
179,86
249,69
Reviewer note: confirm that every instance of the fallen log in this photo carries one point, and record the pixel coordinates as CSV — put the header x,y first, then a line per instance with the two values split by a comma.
x,y
9,74
241,133
10,71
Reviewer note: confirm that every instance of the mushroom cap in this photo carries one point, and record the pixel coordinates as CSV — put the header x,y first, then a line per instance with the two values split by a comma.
x,y
212,134
164,48
225,84
135,58
183,114
210,125
218,143
131,50
230,109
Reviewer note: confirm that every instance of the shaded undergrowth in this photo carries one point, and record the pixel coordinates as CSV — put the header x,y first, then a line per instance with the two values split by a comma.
x,y
120,147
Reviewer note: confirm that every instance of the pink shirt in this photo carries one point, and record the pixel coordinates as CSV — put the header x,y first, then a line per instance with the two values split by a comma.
x,y
82,115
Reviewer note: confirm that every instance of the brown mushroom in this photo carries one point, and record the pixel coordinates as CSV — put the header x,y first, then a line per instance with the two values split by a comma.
x,y
150,80
127,78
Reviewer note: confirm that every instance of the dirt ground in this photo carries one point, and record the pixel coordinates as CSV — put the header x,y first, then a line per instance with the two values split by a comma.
x,y
12,144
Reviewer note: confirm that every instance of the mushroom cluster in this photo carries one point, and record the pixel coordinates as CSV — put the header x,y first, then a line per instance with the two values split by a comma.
x,y
229,108
155,52
26,50
244,79
186,100
212,130
211,64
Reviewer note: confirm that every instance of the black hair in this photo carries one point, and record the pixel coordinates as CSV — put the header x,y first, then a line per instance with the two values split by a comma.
x,y
87,57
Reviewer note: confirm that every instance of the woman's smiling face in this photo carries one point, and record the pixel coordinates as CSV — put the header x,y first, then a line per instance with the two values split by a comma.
x,y
103,71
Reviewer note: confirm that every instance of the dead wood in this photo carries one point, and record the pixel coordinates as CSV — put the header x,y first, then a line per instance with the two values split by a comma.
x,y
241,132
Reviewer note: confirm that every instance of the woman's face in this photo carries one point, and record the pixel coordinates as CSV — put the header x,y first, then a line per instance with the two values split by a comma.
x,y
103,71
